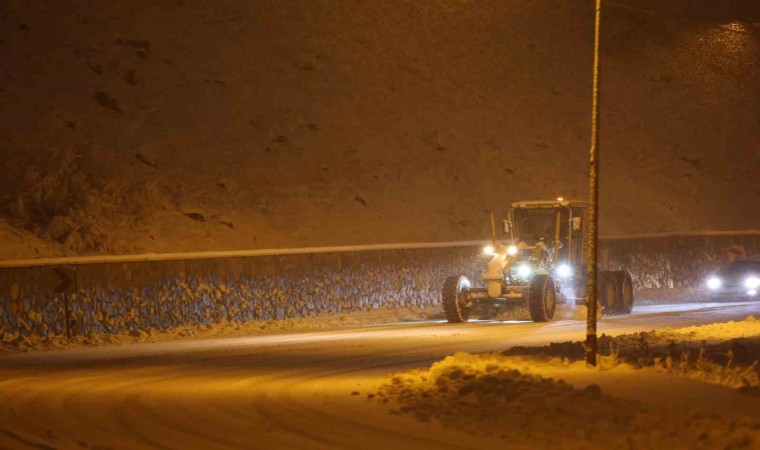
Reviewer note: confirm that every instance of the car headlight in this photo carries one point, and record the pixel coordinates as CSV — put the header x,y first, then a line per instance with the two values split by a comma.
x,y
564,271
714,283
752,282
512,250
524,271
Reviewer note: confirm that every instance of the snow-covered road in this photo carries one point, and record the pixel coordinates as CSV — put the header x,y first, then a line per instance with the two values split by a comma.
x,y
306,390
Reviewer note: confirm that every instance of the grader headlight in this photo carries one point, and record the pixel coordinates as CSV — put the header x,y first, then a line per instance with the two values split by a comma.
x,y
714,283
512,250
524,271
564,271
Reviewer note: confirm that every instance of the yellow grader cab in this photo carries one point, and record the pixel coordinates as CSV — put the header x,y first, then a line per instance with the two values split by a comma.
x,y
543,265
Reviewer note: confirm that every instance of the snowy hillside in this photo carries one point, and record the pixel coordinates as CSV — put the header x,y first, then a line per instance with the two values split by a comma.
x,y
191,125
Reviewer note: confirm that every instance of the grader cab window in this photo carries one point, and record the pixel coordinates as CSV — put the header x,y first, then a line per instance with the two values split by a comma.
x,y
534,224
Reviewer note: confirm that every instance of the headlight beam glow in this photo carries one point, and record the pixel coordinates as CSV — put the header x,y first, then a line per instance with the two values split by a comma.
x,y
524,271
752,282
714,283
564,271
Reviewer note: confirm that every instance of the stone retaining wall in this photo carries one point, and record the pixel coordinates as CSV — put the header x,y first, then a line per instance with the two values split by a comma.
x,y
117,297
143,295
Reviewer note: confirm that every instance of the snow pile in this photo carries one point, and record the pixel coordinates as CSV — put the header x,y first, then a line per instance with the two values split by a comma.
x,y
731,359
723,330
496,394
74,199
744,378
15,343
721,353
522,396
18,243
519,311
483,392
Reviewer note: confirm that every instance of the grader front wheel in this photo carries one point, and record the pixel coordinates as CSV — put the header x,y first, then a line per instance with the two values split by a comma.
x,y
542,300
454,298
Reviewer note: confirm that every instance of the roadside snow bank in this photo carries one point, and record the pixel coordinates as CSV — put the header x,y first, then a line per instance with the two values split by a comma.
x,y
16,343
482,392
724,330
722,353
504,395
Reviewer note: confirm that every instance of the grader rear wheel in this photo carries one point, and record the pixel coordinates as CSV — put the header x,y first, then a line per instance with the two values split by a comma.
x,y
607,292
624,288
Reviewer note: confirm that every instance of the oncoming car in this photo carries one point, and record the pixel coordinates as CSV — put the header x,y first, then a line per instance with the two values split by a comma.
x,y
738,280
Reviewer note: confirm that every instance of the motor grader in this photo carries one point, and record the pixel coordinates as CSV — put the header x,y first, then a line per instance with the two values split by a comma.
x,y
542,265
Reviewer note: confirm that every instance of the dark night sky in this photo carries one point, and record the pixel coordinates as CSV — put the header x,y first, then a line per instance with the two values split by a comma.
x,y
337,122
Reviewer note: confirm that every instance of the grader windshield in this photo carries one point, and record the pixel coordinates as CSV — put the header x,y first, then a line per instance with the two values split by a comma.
x,y
534,224
559,223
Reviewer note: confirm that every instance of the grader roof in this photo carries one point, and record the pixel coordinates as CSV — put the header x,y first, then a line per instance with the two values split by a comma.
x,y
550,204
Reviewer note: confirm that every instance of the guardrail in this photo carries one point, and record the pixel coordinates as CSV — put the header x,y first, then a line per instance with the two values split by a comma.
x,y
682,234
106,259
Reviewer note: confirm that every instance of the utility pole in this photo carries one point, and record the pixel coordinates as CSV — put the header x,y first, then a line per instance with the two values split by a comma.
x,y
593,216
